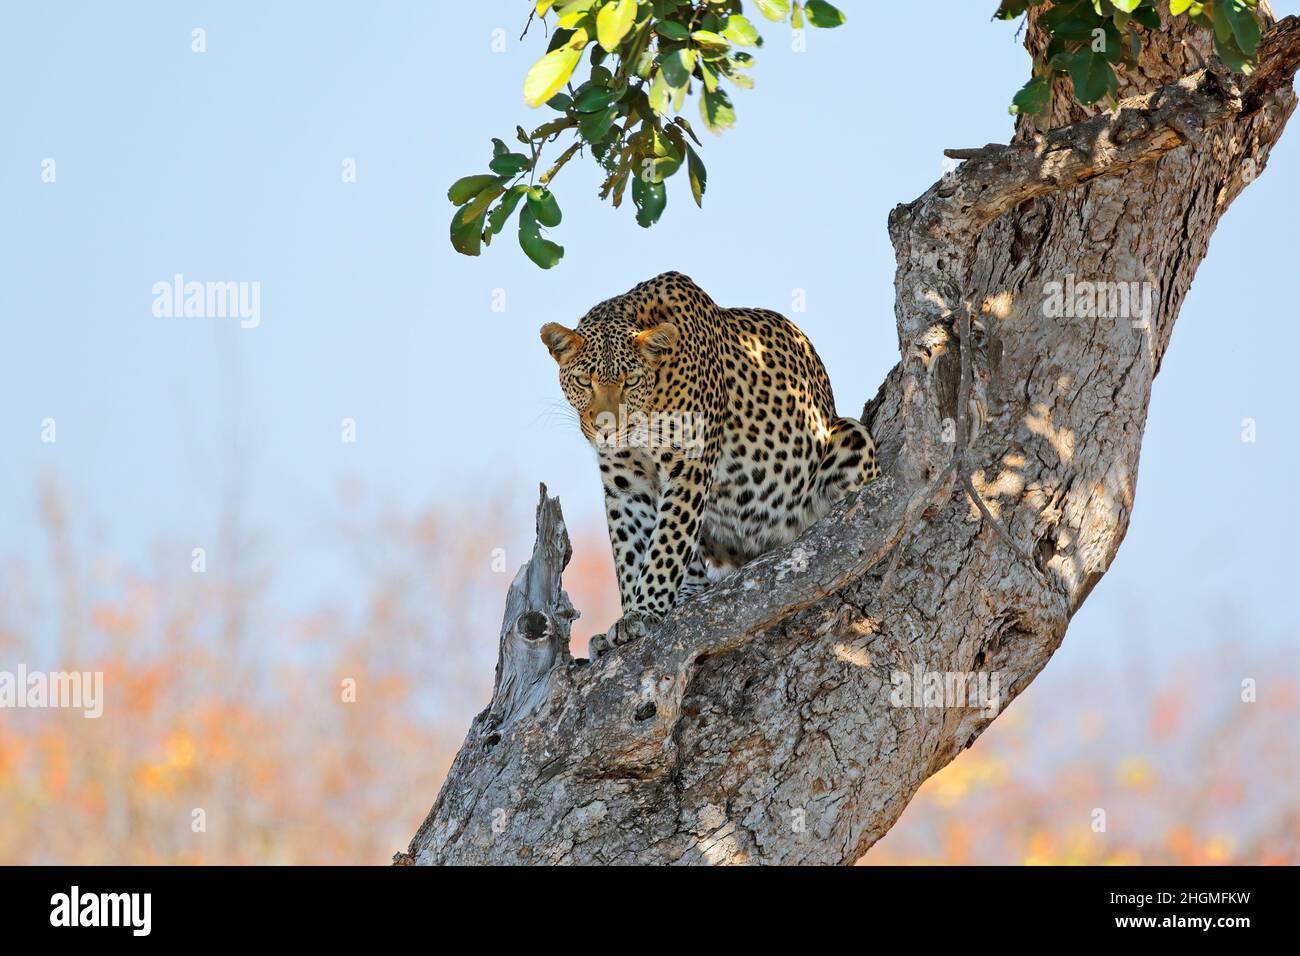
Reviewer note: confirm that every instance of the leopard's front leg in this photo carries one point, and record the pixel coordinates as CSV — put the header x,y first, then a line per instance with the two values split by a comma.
x,y
631,483
684,488
631,496
684,485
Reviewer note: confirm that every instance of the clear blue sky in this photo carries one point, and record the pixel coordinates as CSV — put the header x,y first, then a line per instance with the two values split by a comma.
x,y
226,166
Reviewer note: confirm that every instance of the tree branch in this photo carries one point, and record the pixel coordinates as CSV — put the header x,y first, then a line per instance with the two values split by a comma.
x,y
997,178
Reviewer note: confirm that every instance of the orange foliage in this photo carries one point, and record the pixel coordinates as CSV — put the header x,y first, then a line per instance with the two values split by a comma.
x,y
1168,776
229,734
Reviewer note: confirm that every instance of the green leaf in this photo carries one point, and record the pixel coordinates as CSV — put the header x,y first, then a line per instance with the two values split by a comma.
x,y
1072,20
543,205
467,237
573,12
677,67
613,21
1232,56
1034,98
672,30
740,79
1012,9
741,32
710,76
1177,7
650,199
822,14
475,209
716,110
1113,46
550,129
593,127
1093,76
1148,17
552,71
698,176
709,42
776,10
592,98
664,155
1242,22
1127,6
496,219
560,101
467,187
681,121
661,94
541,250
509,164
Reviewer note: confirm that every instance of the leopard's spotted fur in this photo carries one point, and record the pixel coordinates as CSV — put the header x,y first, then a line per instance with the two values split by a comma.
x,y
741,451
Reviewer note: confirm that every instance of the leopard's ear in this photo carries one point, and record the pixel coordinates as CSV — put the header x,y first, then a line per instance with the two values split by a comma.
x,y
563,343
655,343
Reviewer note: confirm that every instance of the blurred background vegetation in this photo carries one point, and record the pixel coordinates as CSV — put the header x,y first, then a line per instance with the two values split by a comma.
x,y
216,701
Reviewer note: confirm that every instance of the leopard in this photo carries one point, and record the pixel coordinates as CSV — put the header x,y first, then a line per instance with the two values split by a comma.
x,y
716,435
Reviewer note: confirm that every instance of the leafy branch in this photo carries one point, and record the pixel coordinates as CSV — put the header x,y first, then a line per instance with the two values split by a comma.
x,y
1089,39
644,59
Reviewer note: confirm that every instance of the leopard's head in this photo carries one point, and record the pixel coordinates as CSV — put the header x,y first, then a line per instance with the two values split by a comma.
x,y
609,368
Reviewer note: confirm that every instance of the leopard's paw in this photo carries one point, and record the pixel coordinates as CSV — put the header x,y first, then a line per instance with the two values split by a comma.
x,y
628,628
598,646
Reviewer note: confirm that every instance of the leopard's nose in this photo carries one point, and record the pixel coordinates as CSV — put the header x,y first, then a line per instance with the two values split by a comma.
x,y
598,425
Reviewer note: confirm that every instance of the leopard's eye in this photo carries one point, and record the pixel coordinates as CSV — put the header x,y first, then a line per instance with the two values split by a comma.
x,y
632,381
583,381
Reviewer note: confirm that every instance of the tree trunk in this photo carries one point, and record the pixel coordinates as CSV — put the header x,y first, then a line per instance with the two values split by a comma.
x,y
766,721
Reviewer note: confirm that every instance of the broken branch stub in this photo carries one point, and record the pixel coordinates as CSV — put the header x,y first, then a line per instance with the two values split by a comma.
x,y
535,627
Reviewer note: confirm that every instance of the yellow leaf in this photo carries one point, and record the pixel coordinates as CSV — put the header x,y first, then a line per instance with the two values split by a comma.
x,y
551,72
613,22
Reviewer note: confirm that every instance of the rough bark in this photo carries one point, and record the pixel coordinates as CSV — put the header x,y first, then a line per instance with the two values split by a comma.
x,y
756,725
